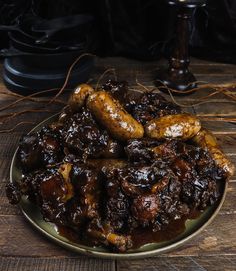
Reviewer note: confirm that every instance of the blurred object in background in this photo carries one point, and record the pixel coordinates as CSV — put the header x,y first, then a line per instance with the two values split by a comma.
x,y
178,76
9,11
136,28
214,33
41,50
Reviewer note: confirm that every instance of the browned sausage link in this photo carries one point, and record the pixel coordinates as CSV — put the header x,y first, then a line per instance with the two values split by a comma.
x,y
79,96
207,141
113,117
183,126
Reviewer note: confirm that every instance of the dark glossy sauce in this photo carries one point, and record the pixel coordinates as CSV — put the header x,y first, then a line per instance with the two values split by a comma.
x,y
74,236
143,236
140,236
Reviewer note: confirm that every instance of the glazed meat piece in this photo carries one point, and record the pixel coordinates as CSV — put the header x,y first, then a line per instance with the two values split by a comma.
x,y
141,150
118,90
150,106
149,150
115,202
50,189
199,159
55,190
106,165
82,136
170,205
30,152
141,177
40,149
130,186
113,150
68,194
85,180
142,196
199,174
145,208
191,165
152,195
121,91
200,193
52,149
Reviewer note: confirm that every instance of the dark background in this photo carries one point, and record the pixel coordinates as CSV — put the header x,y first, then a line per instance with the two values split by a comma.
x,y
141,29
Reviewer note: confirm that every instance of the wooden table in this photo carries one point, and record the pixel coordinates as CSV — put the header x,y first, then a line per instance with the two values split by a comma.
x,y
23,248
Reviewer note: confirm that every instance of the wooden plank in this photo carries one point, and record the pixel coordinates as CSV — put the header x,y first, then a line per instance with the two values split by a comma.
x,y
219,263
54,264
220,128
217,109
19,238
222,109
228,144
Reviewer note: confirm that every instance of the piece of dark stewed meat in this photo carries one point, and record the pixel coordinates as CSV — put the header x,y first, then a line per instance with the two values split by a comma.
x,y
40,149
83,136
151,105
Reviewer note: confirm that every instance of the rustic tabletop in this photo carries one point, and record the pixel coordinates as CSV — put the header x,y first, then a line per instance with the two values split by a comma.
x,y
23,248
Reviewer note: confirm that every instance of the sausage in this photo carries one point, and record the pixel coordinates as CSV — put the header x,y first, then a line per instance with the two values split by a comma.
x,y
183,126
79,96
113,117
207,141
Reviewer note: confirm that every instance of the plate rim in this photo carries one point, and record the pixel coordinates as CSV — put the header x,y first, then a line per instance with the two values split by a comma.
x,y
112,255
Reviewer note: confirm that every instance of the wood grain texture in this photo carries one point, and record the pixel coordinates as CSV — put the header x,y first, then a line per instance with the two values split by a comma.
x,y
202,263
53,264
22,248
222,263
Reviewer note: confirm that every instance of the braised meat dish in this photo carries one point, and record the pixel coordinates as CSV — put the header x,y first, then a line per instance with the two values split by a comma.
x,y
116,161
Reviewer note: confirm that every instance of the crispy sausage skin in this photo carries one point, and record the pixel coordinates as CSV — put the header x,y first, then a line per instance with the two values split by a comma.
x,y
182,126
207,141
79,96
113,117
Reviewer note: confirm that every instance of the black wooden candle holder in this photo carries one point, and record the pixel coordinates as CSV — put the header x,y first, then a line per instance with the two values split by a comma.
x,y
178,76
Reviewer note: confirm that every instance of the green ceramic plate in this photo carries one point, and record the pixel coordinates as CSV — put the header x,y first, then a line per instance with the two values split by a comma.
x,y
193,226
